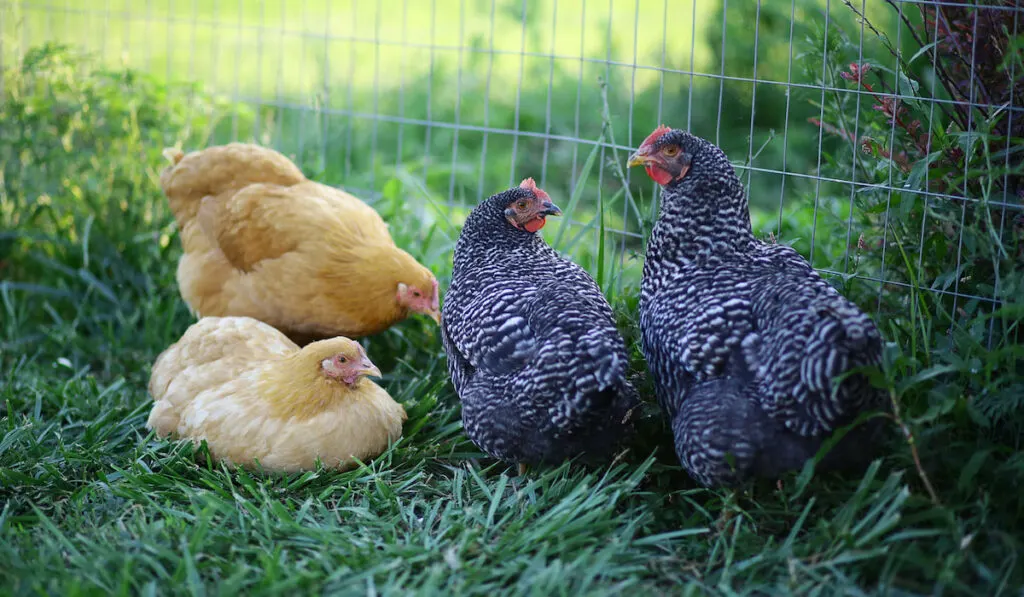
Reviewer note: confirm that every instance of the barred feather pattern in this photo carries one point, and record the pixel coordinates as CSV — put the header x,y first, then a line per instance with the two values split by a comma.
x,y
750,349
532,347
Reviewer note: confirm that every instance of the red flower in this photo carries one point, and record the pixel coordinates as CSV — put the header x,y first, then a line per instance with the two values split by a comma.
x,y
855,72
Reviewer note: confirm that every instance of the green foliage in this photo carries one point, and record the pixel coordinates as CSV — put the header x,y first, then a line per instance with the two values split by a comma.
x,y
92,503
83,224
938,217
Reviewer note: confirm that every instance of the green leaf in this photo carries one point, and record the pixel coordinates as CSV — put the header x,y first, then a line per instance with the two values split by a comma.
x,y
577,192
970,470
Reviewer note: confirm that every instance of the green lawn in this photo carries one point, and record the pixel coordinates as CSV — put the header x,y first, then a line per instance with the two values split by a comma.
x,y
93,504
278,46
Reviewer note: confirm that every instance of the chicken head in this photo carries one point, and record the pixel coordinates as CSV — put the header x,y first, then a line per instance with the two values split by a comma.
x,y
663,156
349,364
528,211
421,298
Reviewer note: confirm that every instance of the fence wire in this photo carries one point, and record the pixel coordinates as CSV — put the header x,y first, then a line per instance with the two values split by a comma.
x,y
467,97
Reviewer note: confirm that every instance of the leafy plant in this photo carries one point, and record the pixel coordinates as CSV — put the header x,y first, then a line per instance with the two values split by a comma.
x,y
936,174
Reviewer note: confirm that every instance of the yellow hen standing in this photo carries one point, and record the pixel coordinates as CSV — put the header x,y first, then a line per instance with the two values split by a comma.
x,y
253,394
263,241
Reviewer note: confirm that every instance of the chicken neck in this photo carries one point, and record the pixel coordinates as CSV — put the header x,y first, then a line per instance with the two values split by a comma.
x,y
704,216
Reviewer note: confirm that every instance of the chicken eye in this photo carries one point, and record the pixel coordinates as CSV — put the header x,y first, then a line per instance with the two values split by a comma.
x,y
521,205
671,151
416,293
342,360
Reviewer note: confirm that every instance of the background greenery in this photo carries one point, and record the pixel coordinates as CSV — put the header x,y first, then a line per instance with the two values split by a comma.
x,y
93,504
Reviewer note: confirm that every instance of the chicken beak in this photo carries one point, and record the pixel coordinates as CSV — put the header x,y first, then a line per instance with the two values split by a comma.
x,y
639,158
549,209
435,314
369,369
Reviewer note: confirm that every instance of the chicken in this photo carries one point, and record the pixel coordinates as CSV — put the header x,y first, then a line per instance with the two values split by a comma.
x,y
260,240
532,347
748,346
254,395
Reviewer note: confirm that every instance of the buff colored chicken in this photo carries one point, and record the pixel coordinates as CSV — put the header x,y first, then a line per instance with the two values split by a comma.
x,y
254,395
263,241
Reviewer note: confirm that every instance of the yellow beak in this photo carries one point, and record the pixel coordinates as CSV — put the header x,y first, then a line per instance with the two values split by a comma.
x,y
369,369
435,314
638,159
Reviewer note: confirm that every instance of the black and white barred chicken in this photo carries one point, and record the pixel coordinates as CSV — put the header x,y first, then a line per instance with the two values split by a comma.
x,y
532,347
750,349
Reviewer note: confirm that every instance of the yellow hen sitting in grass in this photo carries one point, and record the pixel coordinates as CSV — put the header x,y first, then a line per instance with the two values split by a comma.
x,y
263,241
253,394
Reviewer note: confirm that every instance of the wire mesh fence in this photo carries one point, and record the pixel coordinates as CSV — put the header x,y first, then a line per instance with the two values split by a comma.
x,y
881,137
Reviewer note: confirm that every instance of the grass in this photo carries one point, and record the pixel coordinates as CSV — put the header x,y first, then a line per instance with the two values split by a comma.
x,y
93,504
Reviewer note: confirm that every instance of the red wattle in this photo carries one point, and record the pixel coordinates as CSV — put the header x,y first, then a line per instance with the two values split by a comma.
x,y
658,175
535,224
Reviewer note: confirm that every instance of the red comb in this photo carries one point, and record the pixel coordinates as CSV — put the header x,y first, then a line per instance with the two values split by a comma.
x,y
530,185
654,136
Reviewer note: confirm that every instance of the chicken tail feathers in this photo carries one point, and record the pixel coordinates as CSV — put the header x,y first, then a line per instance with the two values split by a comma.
x,y
173,155
221,170
845,342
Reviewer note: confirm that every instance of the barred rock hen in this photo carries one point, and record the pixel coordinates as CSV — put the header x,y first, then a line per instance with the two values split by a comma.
x,y
745,341
263,241
532,347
